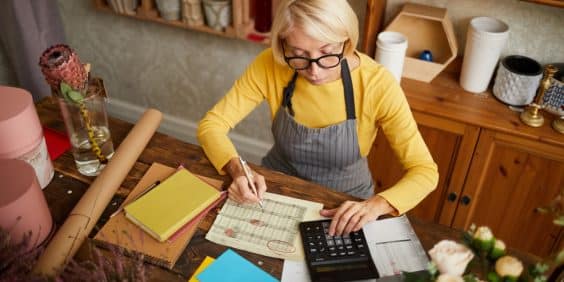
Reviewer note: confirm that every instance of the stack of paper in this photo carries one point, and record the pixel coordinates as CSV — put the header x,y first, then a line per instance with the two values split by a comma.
x,y
230,267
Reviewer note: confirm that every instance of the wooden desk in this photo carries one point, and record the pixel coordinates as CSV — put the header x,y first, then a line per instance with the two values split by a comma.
x,y
68,186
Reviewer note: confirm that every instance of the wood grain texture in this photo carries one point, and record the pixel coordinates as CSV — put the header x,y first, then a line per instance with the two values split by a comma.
x,y
509,178
444,98
373,24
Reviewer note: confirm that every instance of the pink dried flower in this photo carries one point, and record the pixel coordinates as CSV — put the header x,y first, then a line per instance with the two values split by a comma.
x,y
60,63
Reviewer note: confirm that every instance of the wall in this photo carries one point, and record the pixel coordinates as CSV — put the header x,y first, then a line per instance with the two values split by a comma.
x,y
183,73
7,76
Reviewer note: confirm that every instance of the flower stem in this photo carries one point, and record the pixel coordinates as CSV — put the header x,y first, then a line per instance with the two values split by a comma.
x,y
94,145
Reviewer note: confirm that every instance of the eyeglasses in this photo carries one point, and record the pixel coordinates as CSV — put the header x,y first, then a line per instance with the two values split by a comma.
x,y
326,61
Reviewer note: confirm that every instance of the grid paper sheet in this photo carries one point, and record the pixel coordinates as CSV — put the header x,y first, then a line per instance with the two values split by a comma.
x,y
271,231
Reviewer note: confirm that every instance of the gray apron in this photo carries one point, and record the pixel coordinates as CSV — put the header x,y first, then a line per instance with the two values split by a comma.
x,y
329,156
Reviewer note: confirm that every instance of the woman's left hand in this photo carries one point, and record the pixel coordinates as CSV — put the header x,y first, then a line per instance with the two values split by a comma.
x,y
352,215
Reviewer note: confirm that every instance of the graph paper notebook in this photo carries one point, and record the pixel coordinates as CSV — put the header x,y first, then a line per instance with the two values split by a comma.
x,y
169,206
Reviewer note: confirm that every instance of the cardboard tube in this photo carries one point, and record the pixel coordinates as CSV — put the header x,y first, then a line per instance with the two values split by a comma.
x,y
89,208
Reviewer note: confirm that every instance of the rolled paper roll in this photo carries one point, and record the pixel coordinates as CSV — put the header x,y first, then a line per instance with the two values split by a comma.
x,y
89,208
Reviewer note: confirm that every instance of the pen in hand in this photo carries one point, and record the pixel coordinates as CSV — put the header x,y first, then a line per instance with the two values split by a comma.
x,y
249,176
136,197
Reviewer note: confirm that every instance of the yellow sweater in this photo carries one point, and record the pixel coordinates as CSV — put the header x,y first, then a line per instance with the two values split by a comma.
x,y
379,102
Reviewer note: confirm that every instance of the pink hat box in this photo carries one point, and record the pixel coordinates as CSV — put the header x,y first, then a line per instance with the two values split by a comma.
x,y
21,135
20,130
23,207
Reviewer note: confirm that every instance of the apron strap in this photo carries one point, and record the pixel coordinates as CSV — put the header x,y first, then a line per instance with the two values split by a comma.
x,y
349,92
288,92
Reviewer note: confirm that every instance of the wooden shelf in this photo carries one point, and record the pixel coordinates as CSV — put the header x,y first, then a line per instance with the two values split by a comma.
x,y
554,3
242,24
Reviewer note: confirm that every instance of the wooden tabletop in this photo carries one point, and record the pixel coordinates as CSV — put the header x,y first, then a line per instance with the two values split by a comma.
x,y
68,185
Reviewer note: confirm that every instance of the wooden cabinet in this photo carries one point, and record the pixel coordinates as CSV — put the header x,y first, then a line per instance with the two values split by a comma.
x,y
494,170
451,144
508,179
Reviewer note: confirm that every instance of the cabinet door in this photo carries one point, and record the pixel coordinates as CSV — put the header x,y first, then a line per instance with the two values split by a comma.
x,y
508,179
451,144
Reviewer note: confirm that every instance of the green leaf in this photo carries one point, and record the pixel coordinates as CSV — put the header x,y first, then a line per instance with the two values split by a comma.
x,y
493,277
65,88
75,96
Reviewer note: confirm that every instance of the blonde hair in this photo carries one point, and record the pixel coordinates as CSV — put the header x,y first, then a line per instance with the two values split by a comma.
x,y
331,21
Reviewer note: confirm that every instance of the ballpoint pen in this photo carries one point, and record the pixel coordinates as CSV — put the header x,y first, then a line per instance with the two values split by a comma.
x,y
249,176
136,197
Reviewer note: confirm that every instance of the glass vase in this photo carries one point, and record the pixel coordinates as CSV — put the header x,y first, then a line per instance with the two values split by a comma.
x,y
86,122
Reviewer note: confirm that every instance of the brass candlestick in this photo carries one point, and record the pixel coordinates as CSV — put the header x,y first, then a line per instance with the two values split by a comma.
x,y
532,116
558,123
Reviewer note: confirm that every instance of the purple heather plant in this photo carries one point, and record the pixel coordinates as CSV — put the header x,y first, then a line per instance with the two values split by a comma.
x,y
17,261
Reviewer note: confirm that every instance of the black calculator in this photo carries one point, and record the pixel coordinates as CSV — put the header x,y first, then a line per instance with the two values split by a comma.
x,y
335,258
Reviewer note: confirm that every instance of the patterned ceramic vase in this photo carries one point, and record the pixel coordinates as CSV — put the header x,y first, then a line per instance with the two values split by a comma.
x,y
517,80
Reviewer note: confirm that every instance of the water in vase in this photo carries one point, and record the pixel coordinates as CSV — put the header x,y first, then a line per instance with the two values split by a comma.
x,y
84,157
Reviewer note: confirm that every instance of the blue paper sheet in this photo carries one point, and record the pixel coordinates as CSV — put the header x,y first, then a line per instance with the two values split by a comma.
x,y
231,267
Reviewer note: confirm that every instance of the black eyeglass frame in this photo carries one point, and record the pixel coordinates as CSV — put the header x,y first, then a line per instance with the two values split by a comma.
x,y
316,60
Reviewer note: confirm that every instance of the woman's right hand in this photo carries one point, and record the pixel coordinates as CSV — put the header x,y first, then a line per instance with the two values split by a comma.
x,y
240,189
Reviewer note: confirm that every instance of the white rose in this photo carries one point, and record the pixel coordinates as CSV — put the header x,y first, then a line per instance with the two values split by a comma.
x,y
483,238
483,233
498,249
508,266
449,278
451,257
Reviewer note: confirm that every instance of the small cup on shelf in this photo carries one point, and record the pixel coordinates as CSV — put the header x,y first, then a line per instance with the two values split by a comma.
x,y
192,12
169,9
218,13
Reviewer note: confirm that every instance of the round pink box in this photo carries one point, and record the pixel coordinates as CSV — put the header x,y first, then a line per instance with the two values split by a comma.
x,y
21,135
23,207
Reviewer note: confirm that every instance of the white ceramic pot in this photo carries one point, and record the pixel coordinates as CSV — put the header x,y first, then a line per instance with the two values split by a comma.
x,y
218,13
390,51
169,9
517,80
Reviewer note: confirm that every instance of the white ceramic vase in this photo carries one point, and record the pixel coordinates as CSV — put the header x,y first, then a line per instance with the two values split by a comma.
x,y
218,13
169,9
485,40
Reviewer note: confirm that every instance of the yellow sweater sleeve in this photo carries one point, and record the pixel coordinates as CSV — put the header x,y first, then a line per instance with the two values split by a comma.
x,y
259,79
394,117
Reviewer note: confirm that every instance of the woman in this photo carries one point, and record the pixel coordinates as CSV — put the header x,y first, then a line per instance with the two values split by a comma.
x,y
327,101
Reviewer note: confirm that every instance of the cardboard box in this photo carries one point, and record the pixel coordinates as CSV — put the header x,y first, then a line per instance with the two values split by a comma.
x,y
426,28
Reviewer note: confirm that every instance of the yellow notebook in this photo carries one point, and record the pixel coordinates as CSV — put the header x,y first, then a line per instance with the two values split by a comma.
x,y
170,205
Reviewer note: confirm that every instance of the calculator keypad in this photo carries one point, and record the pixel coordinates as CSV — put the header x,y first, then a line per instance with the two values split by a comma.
x,y
322,249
